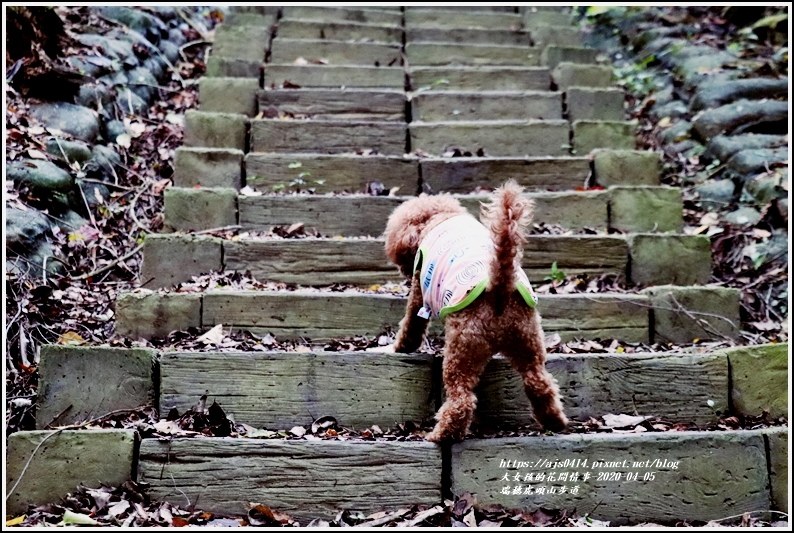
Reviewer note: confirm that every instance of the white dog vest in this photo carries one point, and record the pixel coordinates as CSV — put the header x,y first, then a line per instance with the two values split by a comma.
x,y
455,257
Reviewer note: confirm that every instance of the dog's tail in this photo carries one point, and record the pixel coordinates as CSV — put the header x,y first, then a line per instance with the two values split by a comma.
x,y
507,217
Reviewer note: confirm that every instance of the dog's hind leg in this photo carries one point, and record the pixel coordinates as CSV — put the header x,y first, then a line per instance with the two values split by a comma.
x,y
465,357
527,353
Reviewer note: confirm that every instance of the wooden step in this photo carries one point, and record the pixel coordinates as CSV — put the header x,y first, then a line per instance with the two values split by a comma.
x,y
466,8
465,174
467,35
308,76
440,106
389,17
320,262
282,389
479,78
327,136
627,209
330,173
306,479
436,54
323,315
654,259
336,104
339,31
284,50
443,19
680,475
657,314
364,262
351,173
500,138
367,215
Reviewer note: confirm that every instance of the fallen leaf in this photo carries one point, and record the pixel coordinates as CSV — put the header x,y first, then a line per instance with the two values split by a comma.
x,y
324,422
72,518
70,338
118,508
167,427
298,431
295,229
36,154
249,191
15,521
553,340
173,118
135,129
710,219
124,140
621,421
213,336
424,515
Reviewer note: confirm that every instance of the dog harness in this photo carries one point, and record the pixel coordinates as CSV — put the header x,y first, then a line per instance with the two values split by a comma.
x,y
455,257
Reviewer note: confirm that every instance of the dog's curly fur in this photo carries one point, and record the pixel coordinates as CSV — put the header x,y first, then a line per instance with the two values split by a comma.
x,y
497,321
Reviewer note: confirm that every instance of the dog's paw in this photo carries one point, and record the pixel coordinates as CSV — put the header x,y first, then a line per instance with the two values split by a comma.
x,y
435,436
389,348
438,436
555,424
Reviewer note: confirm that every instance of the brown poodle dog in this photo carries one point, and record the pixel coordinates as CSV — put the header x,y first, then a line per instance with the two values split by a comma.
x,y
470,275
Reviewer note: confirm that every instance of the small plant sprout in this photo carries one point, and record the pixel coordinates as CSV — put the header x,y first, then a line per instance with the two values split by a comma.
x,y
557,275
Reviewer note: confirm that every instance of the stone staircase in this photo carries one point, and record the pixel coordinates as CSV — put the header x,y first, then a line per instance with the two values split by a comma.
x,y
435,100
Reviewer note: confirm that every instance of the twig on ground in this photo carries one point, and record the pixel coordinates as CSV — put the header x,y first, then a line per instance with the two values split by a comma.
x,y
111,264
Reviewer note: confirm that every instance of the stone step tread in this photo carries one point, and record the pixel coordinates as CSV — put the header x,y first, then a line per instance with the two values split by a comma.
x,y
694,474
279,390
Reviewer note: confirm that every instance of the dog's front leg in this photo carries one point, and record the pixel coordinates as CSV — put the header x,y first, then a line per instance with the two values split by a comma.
x,y
412,326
